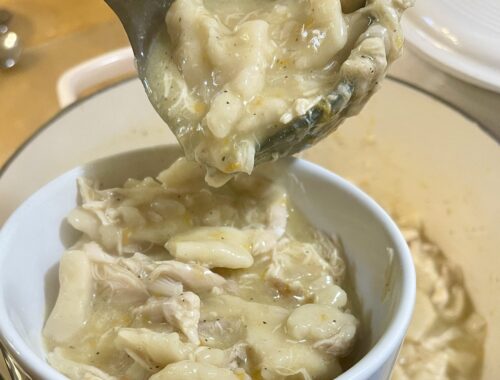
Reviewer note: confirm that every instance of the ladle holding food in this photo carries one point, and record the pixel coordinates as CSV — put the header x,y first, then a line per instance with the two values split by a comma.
x,y
242,83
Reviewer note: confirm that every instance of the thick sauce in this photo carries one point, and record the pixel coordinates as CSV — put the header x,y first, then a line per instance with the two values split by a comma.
x,y
446,336
175,280
228,74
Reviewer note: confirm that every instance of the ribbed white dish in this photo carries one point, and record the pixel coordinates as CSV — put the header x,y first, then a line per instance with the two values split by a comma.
x,y
461,37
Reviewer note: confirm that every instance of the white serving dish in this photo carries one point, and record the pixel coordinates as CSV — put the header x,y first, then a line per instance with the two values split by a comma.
x,y
461,37
378,260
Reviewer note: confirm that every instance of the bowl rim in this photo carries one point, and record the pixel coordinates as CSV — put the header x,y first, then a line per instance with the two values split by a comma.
x,y
383,350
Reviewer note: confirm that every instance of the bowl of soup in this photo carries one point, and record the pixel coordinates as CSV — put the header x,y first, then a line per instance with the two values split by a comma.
x,y
290,272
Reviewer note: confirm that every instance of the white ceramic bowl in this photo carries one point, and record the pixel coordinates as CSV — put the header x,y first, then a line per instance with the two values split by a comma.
x,y
379,262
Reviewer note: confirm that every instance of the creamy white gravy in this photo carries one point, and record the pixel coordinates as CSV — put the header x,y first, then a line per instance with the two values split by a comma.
x,y
446,336
173,280
228,74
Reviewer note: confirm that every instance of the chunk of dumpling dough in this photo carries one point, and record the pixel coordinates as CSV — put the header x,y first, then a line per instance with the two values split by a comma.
x,y
241,55
331,329
221,247
316,51
269,347
225,111
74,302
74,370
182,175
331,295
150,348
192,276
227,358
182,20
189,370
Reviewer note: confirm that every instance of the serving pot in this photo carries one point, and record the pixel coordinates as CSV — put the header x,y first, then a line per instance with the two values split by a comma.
x,y
415,155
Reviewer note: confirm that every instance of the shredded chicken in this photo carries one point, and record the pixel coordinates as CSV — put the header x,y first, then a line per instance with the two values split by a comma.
x,y
445,339
194,277
172,279
182,312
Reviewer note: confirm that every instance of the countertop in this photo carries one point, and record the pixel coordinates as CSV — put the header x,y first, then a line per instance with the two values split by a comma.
x,y
59,34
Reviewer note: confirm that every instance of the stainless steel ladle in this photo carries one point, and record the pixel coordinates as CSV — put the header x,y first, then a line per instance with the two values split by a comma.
x,y
143,20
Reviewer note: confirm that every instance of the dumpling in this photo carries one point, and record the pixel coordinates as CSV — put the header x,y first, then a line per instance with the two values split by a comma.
x,y
190,370
222,247
150,348
328,327
74,302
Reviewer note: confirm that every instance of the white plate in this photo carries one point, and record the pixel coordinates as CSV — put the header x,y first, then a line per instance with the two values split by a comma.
x,y
461,37
409,151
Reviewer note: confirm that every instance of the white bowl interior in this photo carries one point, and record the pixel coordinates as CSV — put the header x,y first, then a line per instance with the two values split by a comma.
x,y
379,263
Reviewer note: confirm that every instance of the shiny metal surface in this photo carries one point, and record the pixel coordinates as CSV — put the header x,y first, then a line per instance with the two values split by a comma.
x,y
10,43
14,370
10,49
5,17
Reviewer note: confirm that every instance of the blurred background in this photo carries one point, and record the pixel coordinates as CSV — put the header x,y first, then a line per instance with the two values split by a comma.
x,y
56,34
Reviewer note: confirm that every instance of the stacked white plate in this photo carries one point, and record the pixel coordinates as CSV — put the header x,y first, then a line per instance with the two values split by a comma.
x,y
461,37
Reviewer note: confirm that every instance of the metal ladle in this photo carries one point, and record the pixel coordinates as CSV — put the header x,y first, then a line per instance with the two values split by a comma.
x,y
144,20
10,44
